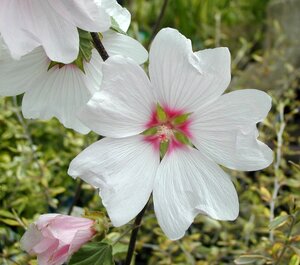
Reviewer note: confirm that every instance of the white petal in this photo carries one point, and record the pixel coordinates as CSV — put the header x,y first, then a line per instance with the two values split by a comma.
x,y
226,130
121,15
31,238
87,15
218,63
17,77
120,44
124,105
18,40
182,79
62,92
42,24
123,169
187,183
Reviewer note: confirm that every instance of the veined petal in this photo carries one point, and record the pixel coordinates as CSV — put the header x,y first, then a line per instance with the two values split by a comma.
x,y
43,25
18,40
120,44
123,169
226,130
125,103
88,15
188,183
181,79
61,92
121,15
16,77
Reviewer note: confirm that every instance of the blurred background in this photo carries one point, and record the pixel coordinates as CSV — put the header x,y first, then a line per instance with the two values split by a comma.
x,y
264,39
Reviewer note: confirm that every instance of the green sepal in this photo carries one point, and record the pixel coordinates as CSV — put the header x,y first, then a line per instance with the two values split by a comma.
x,y
150,132
116,27
182,138
161,114
101,222
163,148
96,253
53,63
181,119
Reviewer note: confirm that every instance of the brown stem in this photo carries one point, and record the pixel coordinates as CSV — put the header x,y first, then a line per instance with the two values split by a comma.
x,y
76,196
133,236
99,46
159,20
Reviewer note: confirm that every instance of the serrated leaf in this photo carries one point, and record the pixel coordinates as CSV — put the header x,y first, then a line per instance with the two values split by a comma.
x,y
181,119
150,132
248,259
163,148
85,45
161,114
278,221
96,253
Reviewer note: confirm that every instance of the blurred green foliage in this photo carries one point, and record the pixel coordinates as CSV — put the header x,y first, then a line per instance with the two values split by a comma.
x,y
34,155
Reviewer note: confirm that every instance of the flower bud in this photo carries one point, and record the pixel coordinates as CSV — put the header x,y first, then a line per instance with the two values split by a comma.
x,y
55,237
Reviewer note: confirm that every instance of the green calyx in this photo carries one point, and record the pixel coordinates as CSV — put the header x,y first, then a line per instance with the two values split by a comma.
x,y
85,51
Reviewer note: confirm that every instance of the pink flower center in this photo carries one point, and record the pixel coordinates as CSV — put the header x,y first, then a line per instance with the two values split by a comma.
x,y
168,129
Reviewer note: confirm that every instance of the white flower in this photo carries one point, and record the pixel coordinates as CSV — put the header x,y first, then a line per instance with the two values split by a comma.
x,y
61,91
27,24
181,109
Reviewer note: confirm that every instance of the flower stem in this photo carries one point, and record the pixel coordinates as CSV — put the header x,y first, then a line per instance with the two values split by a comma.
x,y
133,236
159,20
76,196
99,46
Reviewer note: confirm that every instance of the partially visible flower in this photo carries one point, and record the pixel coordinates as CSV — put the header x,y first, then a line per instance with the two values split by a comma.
x,y
62,90
27,24
55,237
166,135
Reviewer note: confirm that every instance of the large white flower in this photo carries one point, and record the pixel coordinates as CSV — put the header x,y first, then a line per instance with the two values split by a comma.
x,y
182,112
27,24
61,91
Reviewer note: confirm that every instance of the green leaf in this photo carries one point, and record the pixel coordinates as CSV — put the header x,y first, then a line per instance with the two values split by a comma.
x,y
181,119
161,114
150,132
115,26
295,260
96,253
182,138
163,148
10,222
278,221
7,214
249,259
85,45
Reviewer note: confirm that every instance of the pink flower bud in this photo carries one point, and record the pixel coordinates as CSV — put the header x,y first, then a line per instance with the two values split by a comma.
x,y
55,237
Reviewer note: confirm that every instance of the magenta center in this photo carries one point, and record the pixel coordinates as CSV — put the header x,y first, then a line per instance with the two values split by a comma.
x,y
168,129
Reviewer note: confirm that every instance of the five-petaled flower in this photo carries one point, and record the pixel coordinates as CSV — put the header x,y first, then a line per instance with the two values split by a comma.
x,y
27,24
167,135
55,237
62,90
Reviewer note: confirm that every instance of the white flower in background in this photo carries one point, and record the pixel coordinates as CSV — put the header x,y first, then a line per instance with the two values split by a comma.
x,y
27,24
181,116
62,91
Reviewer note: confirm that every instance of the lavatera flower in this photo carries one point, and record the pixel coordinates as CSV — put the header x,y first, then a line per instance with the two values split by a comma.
x,y
55,237
27,24
167,135
58,90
